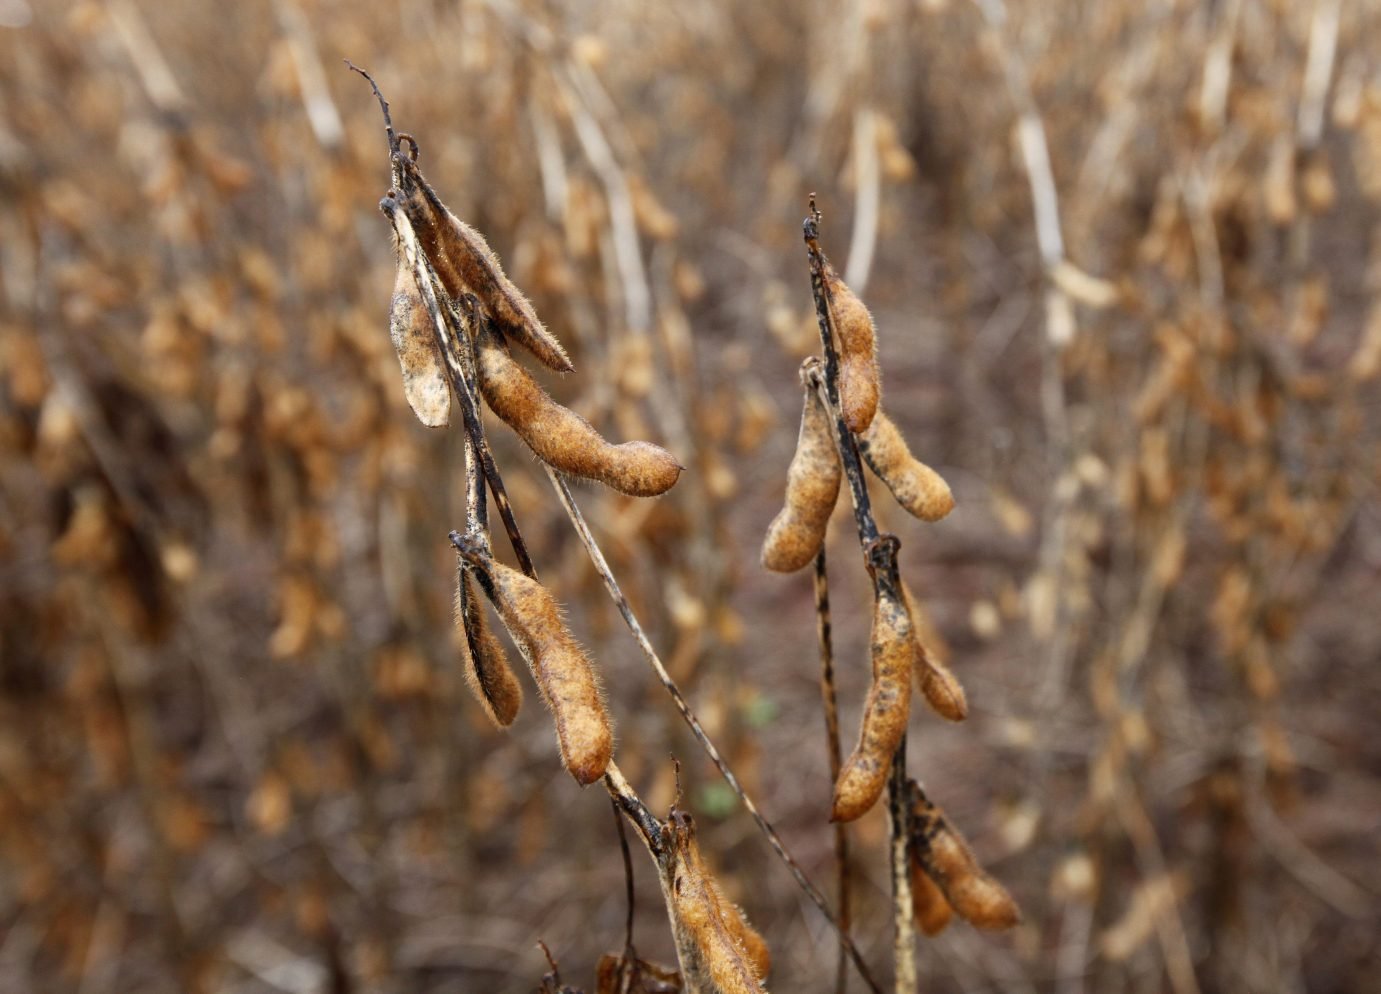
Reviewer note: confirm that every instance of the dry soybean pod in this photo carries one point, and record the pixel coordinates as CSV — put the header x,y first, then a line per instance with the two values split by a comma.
x,y
812,488
560,666
560,437
860,379
465,263
929,907
885,715
942,690
946,858
916,486
487,672
424,378
713,946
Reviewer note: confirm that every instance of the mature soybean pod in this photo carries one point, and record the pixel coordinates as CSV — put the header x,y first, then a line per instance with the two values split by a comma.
x,y
410,327
929,907
860,379
812,488
719,953
885,714
485,663
938,684
465,264
560,437
560,666
916,486
946,858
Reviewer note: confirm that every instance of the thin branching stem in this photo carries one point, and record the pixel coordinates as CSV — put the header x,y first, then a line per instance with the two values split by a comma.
x,y
830,701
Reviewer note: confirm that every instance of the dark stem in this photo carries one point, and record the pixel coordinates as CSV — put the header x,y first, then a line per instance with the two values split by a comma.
x,y
383,105
879,553
628,952
831,704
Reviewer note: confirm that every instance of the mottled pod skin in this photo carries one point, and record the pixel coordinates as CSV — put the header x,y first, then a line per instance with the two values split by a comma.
x,y
465,264
719,952
483,659
938,684
929,907
563,672
945,857
916,486
424,376
812,487
860,379
560,437
885,714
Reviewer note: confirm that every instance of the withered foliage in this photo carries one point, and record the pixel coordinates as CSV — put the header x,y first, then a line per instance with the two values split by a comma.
x,y
236,749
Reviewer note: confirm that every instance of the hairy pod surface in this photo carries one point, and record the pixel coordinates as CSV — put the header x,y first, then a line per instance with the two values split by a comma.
x,y
562,438
560,666
929,907
419,355
719,952
483,659
938,684
885,714
812,488
465,264
916,486
945,856
860,379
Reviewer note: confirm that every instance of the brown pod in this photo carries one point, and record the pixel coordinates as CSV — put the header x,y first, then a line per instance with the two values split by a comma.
x,y
812,487
487,672
719,953
419,355
860,379
946,858
560,437
916,486
893,649
929,907
942,690
563,672
465,264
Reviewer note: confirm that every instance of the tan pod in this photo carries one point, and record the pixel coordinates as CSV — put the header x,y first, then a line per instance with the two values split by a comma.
x,y
560,666
916,486
938,684
812,488
483,659
885,715
561,438
946,858
929,907
419,355
860,379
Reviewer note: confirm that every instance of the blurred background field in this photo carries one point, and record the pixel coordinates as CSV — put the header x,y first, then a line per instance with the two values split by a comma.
x,y
234,750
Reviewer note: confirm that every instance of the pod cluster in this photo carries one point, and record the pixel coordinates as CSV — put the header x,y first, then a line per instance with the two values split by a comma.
x,y
562,670
460,265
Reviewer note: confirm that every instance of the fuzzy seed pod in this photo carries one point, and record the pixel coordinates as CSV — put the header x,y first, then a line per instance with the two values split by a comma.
x,y
812,487
560,437
885,714
483,659
860,379
916,486
929,907
465,264
719,952
410,327
937,682
946,858
563,672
